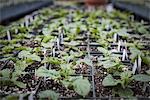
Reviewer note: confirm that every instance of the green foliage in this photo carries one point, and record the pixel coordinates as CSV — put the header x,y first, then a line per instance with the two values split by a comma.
x,y
109,81
142,77
47,38
10,78
66,70
48,94
43,72
72,43
148,72
109,64
82,86
85,61
126,78
146,60
104,51
135,53
127,92
27,55
52,60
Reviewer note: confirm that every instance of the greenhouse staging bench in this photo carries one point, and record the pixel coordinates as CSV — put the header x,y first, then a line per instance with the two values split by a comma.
x,y
68,53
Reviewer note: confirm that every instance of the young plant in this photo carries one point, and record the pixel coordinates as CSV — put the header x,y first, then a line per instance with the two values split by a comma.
x,y
9,77
125,80
51,95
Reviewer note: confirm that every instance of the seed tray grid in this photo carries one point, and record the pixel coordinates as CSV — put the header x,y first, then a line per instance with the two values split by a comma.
x,y
91,75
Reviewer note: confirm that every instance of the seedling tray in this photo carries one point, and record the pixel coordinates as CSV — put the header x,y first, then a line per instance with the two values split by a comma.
x,y
49,56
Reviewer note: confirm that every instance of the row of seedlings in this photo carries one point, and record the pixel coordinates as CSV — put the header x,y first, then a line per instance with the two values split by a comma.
x,y
22,53
121,59
60,65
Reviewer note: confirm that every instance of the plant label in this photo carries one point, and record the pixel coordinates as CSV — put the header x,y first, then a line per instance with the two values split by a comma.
x,y
139,63
21,97
53,52
109,8
134,67
58,46
26,23
8,35
62,38
22,24
124,55
115,37
31,18
16,30
30,96
119,45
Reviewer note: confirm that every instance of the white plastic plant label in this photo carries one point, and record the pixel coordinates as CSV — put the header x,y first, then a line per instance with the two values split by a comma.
x,y
53,52
31,18
109,8
62,38
139,63
16,30
115,37
26,23
8,35
119,45
58,46
134,67
60,30
30,97
22,24
124,55
21,97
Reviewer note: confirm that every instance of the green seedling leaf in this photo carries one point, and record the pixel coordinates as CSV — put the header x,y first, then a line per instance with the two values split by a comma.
x,y
66,70
126,78
109,81
82,86
68,58
11,97
49,94
65,83
109,64
148,72
47,38
103,50
23,54
146,60
20,65
72,43
135,53
47,45
123,33
20,84
126,74
76,54
46,31
27,54
5,73
85,61
125,92
43,72
34,57
142,77
52,60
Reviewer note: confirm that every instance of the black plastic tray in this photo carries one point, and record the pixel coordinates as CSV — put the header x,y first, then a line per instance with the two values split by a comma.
x,y
13,12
